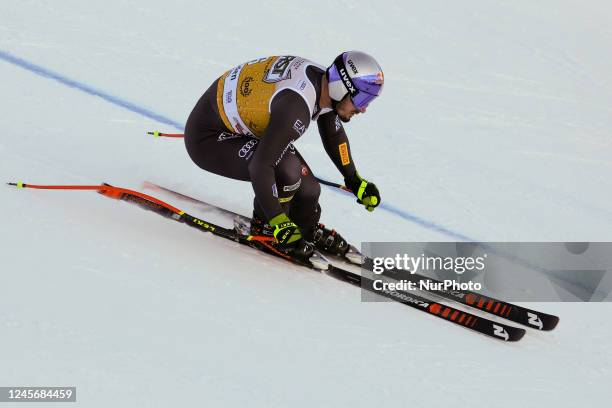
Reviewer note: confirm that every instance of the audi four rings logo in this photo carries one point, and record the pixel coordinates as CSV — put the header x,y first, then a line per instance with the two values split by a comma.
x,y
244,150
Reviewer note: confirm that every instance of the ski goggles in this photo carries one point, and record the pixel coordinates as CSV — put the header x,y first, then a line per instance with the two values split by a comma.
x,y
362,99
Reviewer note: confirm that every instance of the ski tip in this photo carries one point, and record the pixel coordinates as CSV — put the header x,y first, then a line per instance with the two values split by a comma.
x,y
19,184
154,133
516,334
550,323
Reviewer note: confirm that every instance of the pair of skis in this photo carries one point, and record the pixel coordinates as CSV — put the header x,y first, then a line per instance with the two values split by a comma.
x,y
518,314
318,262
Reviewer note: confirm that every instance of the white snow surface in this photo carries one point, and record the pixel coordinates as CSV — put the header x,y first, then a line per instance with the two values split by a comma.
x,y
494,123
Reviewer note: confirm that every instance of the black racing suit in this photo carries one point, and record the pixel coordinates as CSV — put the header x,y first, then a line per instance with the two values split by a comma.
x,y
281,179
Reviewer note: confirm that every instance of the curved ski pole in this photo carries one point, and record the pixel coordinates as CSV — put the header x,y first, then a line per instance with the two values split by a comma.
x,y
153,204
104,189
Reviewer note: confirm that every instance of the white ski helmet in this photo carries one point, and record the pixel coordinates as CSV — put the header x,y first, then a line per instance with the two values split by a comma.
x,y
355,73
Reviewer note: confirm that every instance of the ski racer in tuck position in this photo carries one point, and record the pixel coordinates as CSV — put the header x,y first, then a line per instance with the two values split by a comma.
x,y
244,126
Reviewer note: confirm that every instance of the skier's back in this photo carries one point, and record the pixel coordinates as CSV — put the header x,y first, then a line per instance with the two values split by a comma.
x,y
244,126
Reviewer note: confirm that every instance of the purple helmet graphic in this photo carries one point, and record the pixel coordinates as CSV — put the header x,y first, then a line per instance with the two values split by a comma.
x,y
355,73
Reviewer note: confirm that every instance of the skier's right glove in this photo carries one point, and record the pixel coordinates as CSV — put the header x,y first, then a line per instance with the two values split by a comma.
x,y
366,192
285,231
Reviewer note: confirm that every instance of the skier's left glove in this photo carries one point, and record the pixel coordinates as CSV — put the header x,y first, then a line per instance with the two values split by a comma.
x,y
285,230
366,192
289,238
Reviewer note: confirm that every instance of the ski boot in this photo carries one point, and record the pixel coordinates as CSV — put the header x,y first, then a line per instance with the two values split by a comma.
x,y
329,241
260,227
302,250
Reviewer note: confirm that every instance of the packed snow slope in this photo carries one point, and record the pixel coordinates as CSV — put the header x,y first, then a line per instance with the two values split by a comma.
x,y
494,124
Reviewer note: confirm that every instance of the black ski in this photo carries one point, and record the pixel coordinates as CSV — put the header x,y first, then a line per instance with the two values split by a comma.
x,y
518,314
468,320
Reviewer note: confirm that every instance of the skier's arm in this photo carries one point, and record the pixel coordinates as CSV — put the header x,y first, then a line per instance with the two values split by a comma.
x,y
289,118
336,143
337,147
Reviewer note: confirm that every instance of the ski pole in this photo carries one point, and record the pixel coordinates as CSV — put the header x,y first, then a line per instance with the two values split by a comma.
x,y
104,189
149,203
157,133
332,184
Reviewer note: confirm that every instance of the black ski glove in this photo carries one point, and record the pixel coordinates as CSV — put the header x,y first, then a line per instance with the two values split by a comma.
x,y
367,193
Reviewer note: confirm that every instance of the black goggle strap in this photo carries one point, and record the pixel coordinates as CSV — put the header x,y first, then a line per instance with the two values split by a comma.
x,y
344,76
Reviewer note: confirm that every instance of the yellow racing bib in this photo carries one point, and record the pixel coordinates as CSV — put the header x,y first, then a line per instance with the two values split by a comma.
x,y
245,93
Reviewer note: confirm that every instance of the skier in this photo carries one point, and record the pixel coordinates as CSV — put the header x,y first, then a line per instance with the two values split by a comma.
x,y
244,126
